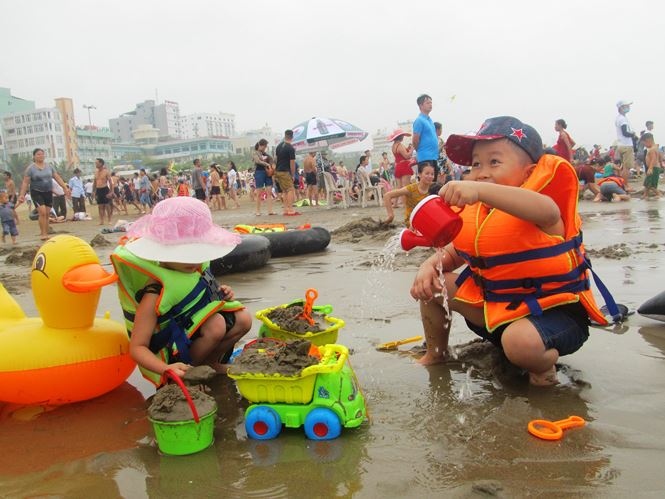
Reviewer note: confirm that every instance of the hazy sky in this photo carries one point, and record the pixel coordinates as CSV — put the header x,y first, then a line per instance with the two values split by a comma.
x,y
363,61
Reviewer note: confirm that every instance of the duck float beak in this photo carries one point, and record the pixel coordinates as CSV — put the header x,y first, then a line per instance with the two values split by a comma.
x,y
86,278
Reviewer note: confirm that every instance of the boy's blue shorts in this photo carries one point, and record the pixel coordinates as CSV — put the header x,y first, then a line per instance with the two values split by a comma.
x,y
564,328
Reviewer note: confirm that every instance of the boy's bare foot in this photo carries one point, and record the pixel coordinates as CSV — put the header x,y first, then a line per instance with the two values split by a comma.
x,y
548,378
430,359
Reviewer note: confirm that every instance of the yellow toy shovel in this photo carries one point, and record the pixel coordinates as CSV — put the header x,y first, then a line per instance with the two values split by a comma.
x,y
392,345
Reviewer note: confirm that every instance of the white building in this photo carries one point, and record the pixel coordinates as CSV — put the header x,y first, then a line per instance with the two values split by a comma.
x,y
39,128
165,117
193,126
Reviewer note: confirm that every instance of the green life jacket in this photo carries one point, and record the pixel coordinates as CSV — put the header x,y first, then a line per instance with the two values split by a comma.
x,y
185,302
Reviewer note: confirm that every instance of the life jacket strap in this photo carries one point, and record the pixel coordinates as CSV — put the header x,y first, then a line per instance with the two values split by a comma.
x,y
528,282
178,322
488,262
514,300
604,292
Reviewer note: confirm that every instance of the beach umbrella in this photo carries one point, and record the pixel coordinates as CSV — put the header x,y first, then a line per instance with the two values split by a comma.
x,y
321,133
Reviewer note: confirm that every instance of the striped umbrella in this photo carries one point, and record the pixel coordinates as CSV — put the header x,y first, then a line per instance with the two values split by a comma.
x,y
321,133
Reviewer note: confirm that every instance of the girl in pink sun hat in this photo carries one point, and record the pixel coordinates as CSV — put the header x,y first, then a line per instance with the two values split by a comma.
x,y
175,312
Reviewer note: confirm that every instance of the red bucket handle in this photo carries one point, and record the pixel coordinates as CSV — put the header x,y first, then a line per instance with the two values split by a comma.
x,y
169,373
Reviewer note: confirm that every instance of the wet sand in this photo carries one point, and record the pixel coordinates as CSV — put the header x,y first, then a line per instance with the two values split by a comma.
x,y
457,429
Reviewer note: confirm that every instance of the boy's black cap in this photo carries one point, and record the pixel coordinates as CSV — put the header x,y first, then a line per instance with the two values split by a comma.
x,y
459,148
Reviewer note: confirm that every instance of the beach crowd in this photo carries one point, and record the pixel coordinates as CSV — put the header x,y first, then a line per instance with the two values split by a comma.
x,y
404,177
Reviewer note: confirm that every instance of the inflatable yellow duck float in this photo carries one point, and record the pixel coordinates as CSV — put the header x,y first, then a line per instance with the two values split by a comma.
x,y
67,354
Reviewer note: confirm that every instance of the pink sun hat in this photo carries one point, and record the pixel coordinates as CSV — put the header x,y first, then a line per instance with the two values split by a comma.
x,y
397,133
180,230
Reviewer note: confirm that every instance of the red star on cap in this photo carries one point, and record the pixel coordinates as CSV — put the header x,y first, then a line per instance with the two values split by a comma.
x,y
517,132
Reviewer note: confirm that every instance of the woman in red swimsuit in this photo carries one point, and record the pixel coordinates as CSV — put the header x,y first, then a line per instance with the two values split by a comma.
x,y
403,163
564,144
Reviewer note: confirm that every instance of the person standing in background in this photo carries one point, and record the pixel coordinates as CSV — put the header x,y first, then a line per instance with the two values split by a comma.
x,y
424,135
89,187
78,192
445,173
285,156
10,187
102,190
37,180
369,167
625,139
198,183
402,154
564,143
309,169
262,176
234,182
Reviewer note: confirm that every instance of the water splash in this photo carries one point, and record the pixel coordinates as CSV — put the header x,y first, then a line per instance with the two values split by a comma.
x,y
465,391
385,260
383,263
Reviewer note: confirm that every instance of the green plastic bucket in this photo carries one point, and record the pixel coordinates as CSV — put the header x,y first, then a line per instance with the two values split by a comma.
x,y
179,438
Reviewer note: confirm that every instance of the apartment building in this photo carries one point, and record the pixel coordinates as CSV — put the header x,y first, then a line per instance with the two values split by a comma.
x,y
165,117
43,128
11,104
93,143
198,125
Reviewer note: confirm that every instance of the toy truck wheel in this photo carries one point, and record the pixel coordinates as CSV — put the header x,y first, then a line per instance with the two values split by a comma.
x,y
263,423
322,424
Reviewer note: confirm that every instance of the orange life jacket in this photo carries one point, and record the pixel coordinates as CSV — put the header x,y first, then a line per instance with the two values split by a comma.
x,y
514,268
183,190
617,180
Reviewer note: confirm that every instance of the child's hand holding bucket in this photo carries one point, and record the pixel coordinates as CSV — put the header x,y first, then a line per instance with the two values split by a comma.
x,y
459,194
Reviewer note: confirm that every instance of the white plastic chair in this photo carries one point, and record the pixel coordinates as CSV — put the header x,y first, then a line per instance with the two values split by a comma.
x,y
366,188
332,188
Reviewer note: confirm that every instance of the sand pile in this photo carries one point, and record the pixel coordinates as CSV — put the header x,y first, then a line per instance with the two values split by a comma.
x,y
170,404
199,375
21,256
289,319
100,241
365,228
613,252
273,357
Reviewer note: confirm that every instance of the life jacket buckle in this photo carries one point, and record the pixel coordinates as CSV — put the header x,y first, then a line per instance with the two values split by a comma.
x,y
478,262
529,282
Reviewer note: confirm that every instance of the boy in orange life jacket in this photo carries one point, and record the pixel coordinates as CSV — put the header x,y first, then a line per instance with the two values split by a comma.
x,y
536,306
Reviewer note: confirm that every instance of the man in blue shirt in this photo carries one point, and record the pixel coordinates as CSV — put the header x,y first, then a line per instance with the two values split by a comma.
x,y
424,135
78,192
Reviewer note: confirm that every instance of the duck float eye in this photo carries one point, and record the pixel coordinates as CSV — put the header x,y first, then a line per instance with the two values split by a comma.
x,y
40,263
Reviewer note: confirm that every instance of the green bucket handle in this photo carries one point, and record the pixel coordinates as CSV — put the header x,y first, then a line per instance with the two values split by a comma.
x,y
169,373
324,309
